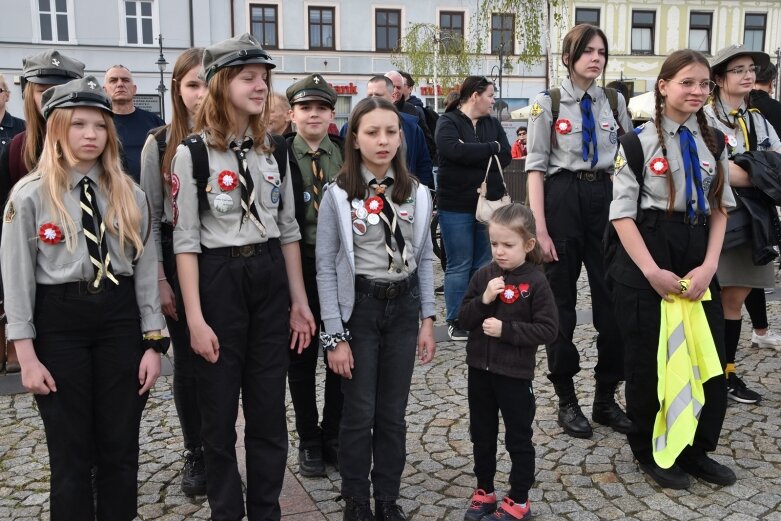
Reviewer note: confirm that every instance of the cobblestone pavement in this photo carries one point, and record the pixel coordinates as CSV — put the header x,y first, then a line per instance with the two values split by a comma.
x,y
576,479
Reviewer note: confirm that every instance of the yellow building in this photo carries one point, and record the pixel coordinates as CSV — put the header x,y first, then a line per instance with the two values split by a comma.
x,y
641,33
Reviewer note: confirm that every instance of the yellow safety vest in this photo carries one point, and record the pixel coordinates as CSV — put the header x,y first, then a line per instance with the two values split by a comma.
x,y
687,357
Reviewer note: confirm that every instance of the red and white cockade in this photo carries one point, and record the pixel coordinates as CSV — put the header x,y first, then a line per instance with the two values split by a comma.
x,y
563,126
227,180
373,204
659,166
50,233
509,294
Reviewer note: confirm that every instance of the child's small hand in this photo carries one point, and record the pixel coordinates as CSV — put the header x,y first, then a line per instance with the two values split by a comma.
x,y
494,288
492,327
340,360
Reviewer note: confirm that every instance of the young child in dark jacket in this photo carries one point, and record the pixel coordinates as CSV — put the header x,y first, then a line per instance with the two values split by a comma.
x,y
509,311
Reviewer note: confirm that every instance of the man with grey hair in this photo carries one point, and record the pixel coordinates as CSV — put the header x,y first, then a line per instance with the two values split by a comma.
x,y
9,125
398,82
133,124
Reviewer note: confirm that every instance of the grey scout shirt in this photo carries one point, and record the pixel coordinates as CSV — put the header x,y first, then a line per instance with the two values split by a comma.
x,y
371,257
27,260
654,194
568,154
158,193
767,139
222,224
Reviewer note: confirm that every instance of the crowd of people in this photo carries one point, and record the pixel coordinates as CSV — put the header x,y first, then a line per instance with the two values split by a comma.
x,y
260,235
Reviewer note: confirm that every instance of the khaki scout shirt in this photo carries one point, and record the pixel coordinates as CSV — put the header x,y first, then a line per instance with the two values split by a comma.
x,y
27,260
655,192
568,155
371,257
767,139
330,162
222,224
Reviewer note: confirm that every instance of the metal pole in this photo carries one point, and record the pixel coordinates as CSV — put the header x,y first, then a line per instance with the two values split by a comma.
x,y
778,73
161,64
437,39
501,69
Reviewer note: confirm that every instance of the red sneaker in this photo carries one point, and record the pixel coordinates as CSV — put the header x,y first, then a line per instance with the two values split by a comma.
x,y
509,510
481,505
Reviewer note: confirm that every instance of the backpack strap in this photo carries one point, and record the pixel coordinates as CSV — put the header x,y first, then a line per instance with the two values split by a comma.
x,y
280,153
161,135
612,98
200,160
720,142
635,158
555,105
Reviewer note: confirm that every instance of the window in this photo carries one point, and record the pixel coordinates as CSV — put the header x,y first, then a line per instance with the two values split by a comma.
x,y
754,37
643,32
263,24
138,21
321,28
387,24
586,16
699,31
502,26
452,22
342,109
54,20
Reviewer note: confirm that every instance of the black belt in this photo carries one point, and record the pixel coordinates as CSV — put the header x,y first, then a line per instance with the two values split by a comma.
x,y
248,250
83,288
587,175
674,217
385,290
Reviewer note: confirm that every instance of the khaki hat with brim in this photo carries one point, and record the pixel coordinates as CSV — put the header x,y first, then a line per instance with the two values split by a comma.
x,y
50,68
85,92
724,56
234,52
312,88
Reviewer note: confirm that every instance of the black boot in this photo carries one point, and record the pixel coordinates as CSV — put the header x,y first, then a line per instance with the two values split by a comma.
x,y
194,473
388,511
606,411
571,417
357,510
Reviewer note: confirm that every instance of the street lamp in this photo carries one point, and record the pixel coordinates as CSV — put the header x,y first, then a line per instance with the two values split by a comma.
x,y
497,73
161,65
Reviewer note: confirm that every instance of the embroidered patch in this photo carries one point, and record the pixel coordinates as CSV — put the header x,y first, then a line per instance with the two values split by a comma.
x,y
619,163
275,195
524,289
563,126
174,185
659,166
535,111
50,233
10,212
706,182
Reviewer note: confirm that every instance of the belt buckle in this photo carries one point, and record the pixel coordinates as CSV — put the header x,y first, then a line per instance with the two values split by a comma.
x,y
589,176
393,291
248,250
92,290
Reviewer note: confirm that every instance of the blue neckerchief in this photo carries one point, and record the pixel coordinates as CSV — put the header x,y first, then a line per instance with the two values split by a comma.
x,y
589,129
691,165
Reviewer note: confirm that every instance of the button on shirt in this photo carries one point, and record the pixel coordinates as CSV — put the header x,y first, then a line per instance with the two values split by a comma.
x,y
371,257
27,260
330,162
655,190
222,224
568,155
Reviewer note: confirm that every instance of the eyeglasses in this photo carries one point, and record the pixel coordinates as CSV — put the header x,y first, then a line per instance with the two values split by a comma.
x,y
743,70
706,86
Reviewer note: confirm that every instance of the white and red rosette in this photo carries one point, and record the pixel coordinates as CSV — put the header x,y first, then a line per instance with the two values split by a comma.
x,y
227,180
659,166
50,233
563,126
509,294
373,204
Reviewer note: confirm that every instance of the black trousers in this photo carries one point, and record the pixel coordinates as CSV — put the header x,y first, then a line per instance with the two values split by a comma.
x,y
91,344
185,384
576,213
372,437
677,247
302,379
246,302
488,394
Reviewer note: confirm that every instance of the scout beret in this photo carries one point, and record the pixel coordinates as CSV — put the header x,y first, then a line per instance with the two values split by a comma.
x,y
84,92
724,56
50,68
234,52
311,88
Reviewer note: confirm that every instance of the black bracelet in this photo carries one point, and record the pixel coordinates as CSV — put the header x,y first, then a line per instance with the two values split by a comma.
x,y
158,344
329,342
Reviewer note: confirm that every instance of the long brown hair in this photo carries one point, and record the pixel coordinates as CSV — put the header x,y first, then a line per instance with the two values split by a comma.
x,y
520,219
350,178
674,63
180,121
35,127
216,114
575,42
55,164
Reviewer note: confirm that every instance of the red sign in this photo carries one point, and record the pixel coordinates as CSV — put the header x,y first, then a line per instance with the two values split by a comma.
x,y
349,89
429,91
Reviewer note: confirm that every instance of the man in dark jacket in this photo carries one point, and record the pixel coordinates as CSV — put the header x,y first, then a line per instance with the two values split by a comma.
x,y
761,96
408,108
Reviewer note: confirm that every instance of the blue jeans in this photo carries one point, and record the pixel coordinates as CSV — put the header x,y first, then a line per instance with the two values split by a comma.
x,y
467,249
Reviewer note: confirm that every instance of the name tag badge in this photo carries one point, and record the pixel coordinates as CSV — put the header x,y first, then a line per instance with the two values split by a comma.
x,y
223,203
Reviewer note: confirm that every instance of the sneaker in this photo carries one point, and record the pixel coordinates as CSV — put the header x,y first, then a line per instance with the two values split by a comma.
x,y
769,339
455,332
673,477
509,510
194,473
709,470
737,390
310,462
480,505
439,290
388,511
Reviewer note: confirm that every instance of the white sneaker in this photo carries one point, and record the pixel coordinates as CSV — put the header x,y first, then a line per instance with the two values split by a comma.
x,y
769,339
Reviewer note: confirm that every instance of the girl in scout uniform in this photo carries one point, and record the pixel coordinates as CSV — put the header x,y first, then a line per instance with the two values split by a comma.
x,y
187,91
39,72
569,161
81,288
734,70
375,283
671,227
239,269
